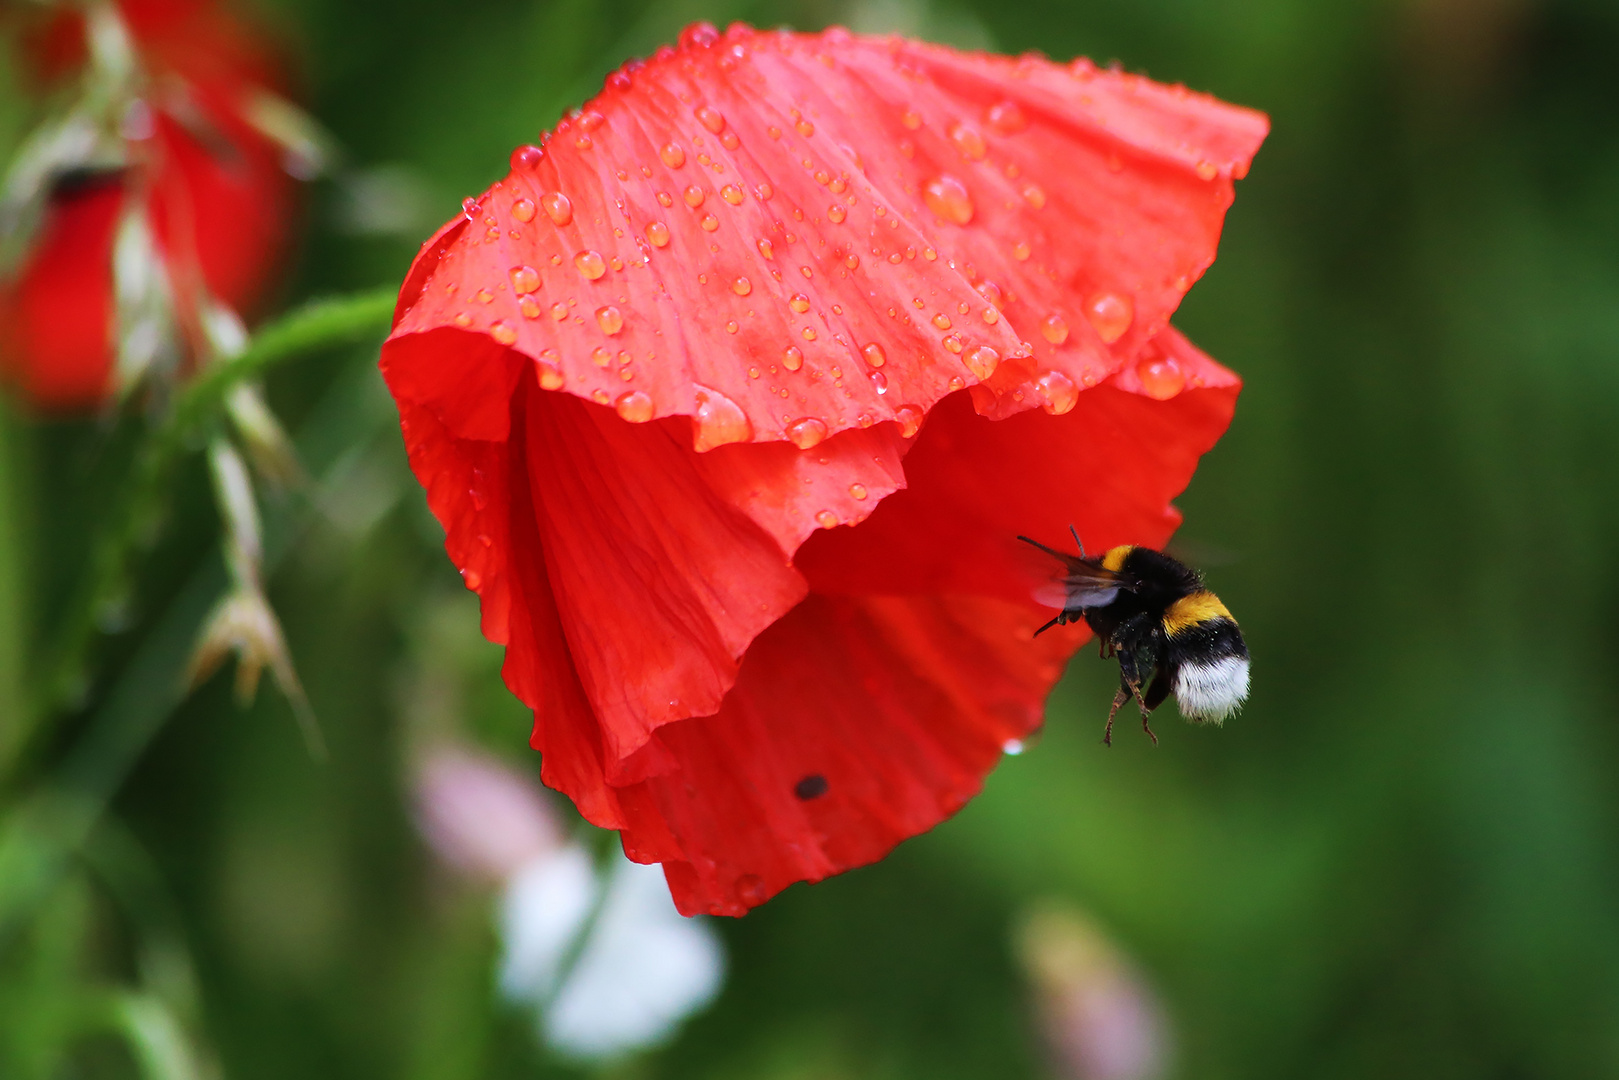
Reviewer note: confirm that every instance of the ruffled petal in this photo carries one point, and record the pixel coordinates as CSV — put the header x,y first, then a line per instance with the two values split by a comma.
x,y
856,722
1109,467
778,233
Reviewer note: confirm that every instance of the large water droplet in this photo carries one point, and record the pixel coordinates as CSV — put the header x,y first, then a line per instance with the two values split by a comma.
x,y
804,128
1161,376
799,303
836,214
947,197
525,279
658,233
503,333
1111,315
874,354
766,248
910,420
590,264
672,155
523,210
610,319
742,286
635,406
857,492
693,196
879,382
719,421
709,223
530,307
526,157
732,194
1054,329
558,207
792,358
1059,391
712,119
807,432
550,370
942,321
982,361
969,141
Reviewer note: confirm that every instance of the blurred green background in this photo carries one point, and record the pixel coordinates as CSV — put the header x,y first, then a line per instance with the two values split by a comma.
x,y
1402,860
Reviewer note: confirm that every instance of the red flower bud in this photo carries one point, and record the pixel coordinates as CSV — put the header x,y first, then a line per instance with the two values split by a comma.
x,y
746,542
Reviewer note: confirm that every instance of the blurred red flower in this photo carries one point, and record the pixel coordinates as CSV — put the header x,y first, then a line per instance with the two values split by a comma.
x,y
211,183
684,391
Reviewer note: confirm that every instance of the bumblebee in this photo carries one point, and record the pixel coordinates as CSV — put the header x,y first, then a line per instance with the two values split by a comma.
x,y
1169,633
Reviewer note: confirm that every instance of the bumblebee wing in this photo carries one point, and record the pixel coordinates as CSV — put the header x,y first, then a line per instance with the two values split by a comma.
x,y
1081,584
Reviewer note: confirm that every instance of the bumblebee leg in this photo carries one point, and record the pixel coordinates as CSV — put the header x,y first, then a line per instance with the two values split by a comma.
x,y
1118,700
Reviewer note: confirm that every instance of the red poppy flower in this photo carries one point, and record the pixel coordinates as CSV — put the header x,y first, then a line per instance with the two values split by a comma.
x,y
211,183
726,400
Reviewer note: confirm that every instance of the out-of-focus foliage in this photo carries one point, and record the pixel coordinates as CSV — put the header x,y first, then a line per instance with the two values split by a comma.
x,y
1401,860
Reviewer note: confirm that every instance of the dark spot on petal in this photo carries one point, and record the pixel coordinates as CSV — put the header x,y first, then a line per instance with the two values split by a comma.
x,y
812,786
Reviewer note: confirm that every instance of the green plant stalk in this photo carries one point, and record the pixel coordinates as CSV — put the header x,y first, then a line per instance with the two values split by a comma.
x,y
319,324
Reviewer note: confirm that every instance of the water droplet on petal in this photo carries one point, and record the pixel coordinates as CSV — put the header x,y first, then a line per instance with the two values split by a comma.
x,y
1007,118
804,128
1059,391
799,303
953,342
601,356
530,307
731,194
502,333
969,141
910,420
857,492
730,141
1054,329
1161,376
1035,196
610,319
590,120
1207,170
550,370
826,519
766,249
742,286
558,207
665,199
1021,251
711,119
809,333
523,210
879,382
526,157
791,358
709,223
559,311
982,361
719,421
1012,747
836,214
672,155
942,321
658,233
911,119
590,264
1111,315
948,199
525,279
807,432
635,406
874,355
693,196
472,578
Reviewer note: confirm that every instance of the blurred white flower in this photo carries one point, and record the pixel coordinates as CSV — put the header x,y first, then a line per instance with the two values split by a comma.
x,y
1099,1018
639,966
603,956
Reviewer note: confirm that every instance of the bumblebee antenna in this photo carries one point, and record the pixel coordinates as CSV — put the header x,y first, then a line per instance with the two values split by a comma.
x,y
1077,540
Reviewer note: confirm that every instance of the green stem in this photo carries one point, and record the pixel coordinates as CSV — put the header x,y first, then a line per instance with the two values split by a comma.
x,y
320,324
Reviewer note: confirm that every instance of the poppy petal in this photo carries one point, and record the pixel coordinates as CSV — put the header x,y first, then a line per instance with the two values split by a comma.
x,y
776,228
787,783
